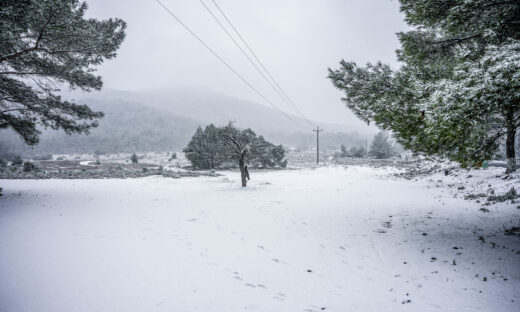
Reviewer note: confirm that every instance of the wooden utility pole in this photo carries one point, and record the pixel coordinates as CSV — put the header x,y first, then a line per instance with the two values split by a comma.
x,y
317,130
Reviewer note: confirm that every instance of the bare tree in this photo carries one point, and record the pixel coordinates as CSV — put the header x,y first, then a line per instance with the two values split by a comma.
x,y
239,145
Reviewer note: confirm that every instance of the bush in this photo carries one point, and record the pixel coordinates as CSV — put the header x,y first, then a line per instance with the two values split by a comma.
x,y
17,161
381,147
357,151
134,159
29,167
3,163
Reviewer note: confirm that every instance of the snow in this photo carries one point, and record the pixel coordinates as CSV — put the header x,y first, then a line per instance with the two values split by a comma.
x,y
331,238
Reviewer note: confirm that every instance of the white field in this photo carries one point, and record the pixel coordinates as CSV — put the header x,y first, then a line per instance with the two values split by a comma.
x,y
329,239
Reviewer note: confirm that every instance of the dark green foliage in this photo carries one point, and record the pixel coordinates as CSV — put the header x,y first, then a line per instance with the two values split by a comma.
x,y
220,147
205,149
267,155
29,166
3,163
17,161
45,44
381,147
134,159
457,94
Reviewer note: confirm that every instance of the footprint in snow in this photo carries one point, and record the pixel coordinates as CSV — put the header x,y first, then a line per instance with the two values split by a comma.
x,y
251,307
279,296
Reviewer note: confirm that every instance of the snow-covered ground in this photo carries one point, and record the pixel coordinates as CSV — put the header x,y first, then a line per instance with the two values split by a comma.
x,y
334,239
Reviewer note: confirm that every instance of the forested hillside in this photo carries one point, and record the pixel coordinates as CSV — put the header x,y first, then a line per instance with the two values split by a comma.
x,y
165,120
126,127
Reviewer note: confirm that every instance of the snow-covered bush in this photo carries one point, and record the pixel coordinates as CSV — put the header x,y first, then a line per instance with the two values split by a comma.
x,y
381,147
357,151
29,166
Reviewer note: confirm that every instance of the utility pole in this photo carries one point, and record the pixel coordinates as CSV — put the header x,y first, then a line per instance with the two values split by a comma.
x,y
317,130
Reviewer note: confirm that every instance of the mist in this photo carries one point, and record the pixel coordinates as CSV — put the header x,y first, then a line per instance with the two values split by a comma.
x,y
296,40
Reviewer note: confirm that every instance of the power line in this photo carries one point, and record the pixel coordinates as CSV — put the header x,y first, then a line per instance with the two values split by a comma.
x,y
243,52
317,130
223,61
259,62
275,88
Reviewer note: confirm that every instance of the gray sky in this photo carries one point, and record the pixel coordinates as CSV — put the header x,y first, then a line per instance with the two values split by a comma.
x,y
296,39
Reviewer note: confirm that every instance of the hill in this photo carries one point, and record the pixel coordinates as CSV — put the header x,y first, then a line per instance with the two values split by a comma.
x,y
164,120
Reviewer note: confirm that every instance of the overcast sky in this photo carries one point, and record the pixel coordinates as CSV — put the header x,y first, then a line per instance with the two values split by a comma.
x,y
296,39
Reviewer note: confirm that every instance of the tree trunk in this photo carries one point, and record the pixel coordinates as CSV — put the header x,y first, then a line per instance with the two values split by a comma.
x,y
510,144
241,164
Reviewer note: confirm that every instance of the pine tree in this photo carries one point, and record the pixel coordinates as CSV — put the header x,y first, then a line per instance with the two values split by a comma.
x,y
343,151
45,44
381,147
458,93
205,149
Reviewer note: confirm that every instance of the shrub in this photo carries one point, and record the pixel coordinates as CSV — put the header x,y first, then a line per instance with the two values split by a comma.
x,y
134,159
357,151
17,161
29,166
381,147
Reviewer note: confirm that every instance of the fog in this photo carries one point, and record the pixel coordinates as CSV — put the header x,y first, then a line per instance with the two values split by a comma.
x,y
297,41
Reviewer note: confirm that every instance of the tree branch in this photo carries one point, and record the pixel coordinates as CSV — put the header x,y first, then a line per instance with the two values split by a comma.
x,y
36,44
23,73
